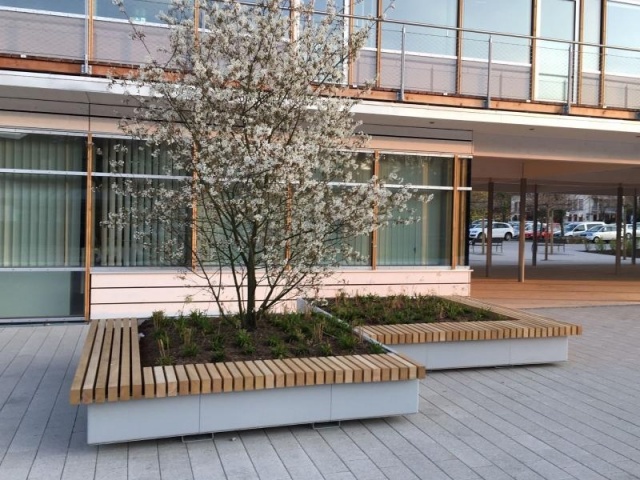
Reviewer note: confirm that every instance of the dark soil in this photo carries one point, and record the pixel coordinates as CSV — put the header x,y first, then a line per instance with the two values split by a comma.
x,y
199,339
397,309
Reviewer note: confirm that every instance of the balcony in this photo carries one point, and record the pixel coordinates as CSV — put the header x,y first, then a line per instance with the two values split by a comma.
x,y
407,59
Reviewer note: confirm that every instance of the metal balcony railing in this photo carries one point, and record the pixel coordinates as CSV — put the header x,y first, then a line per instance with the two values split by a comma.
x,y
401,56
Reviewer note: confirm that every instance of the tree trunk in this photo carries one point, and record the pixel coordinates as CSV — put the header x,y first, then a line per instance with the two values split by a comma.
x,y
249,322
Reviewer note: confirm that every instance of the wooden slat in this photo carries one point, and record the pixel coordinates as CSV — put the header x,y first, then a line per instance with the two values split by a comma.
x,y
269,376
100,391
328,372
194,379
298,372
148,383
216,378
113,384
246,374
75,394
374,370
136,366
257,374
309,376
238,379
338,372
171,380
227,378
125,367
160,382
385,371
183,380
289,375
279,376
205,378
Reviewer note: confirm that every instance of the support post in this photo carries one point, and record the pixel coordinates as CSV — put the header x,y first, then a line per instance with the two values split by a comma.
x,y
634,226
534,246
489,229
569,80
402,62
88,245
523,196
489,61
619,230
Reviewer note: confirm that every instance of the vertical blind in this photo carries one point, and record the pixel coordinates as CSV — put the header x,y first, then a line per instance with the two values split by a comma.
x,y
41,215
139,240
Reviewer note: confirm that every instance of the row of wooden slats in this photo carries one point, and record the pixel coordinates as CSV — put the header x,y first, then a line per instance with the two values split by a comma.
x,y
109,370
195,379
109,366
521,325
556,328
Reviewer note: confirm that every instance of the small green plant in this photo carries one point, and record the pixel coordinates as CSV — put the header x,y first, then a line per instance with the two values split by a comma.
x,y
217,342
163,348
200,321
348,341
376,348
243,338
279,351
325,349
158,318
218,355
191,350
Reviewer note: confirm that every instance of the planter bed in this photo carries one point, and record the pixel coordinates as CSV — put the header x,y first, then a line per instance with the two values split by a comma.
x,y
128,402
525,338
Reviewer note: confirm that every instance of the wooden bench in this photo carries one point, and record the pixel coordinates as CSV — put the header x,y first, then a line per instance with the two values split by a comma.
x,y
496,243
525,338
109,377
558,243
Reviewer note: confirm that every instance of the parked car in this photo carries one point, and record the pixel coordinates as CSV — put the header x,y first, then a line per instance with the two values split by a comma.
x,y
575,229
602,233
498,230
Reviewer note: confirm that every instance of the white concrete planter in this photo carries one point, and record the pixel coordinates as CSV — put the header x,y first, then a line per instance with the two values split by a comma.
x,y
487,353
220,412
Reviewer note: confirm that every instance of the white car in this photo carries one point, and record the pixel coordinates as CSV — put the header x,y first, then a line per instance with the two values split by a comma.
x,y
498,230
603,233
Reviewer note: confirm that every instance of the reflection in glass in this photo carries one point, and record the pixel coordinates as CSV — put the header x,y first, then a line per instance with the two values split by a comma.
x,y
622,31
500,16
557,21
137,10
61,6
437,41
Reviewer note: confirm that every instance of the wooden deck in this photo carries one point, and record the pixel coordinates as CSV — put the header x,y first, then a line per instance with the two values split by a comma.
x,y
563,286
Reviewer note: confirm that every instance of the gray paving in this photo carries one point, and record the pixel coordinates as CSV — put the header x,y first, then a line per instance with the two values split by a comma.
x,y
576,420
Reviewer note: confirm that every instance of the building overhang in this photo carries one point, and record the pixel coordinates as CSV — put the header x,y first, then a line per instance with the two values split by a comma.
x,y
556,152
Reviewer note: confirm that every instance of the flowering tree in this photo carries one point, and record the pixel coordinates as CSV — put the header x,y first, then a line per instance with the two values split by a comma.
x,y
251,112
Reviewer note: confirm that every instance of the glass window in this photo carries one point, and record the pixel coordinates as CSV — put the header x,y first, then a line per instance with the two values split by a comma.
x,y
30,294
500,16
41,152
137,10
557,20
622,31
416,170
62,6
41,216
426,241
591,32
367,9
421,39
41,220
141,239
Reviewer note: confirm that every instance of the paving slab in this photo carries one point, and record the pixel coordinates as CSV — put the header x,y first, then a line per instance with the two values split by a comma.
x,y
574,420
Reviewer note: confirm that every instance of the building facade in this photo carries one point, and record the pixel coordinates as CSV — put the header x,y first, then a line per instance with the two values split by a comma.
x,y
481,93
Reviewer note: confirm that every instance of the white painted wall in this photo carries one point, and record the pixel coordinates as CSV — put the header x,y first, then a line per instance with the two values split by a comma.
x,y
137,293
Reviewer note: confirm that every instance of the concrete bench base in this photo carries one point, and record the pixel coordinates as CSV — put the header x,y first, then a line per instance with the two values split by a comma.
x,y
487,353
209,413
